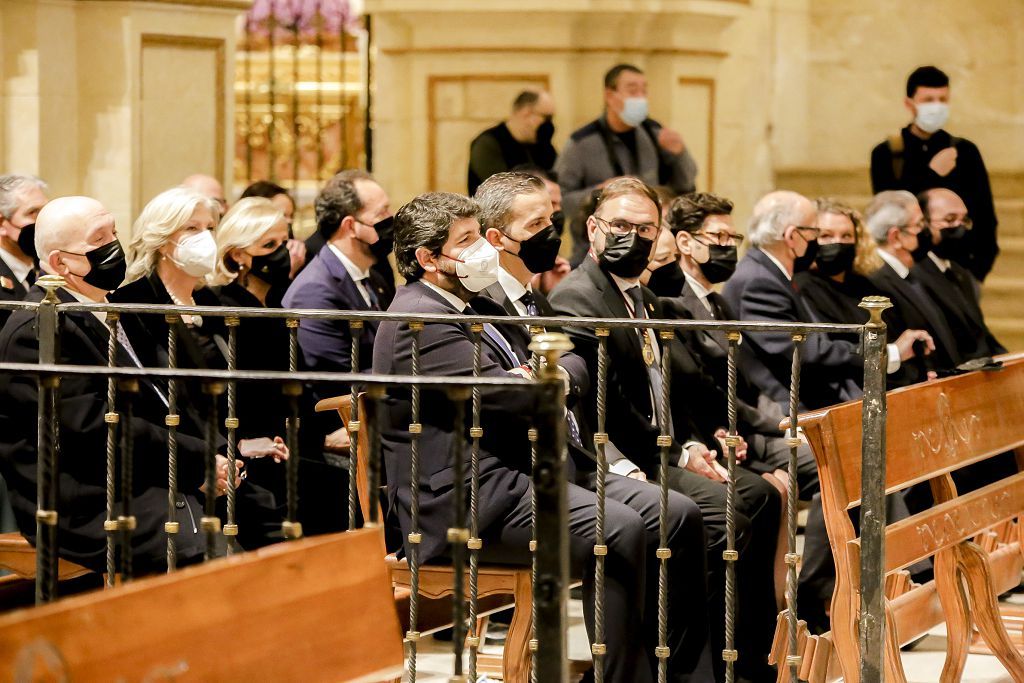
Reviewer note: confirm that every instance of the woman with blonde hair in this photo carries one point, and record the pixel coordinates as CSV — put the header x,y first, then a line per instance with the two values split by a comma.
x,y
253,265
835,285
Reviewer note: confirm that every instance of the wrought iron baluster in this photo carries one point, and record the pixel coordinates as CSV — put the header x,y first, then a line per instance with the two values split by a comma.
x,y
730,555
662,651
48,444
356,328
112,418
171,421
598,648
292,527
231,425
474,544
415,537
794,659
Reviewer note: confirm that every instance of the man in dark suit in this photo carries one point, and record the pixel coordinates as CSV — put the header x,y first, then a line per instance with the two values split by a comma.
x,y
350,201
21,198
76,239
342,277
515,213
949,283
622,234
894,220
446,262
784,241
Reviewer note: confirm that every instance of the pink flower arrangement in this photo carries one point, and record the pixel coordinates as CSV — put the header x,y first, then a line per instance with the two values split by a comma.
x,y
329,17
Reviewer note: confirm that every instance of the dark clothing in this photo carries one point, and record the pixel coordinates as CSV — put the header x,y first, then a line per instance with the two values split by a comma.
x,y
830,369
496,150
969,179
590,292
835,302
11,289
953,292
914,309
384,282
83,433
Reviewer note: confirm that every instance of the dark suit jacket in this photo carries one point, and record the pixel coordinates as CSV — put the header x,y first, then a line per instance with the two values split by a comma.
x,y
589,292
758,290
327,344
16,291
446,349
710,352
83,433
913,309
384,283
958,302
835,302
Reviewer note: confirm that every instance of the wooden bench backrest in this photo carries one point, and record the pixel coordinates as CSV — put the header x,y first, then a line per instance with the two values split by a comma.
x,y
311,609
931,429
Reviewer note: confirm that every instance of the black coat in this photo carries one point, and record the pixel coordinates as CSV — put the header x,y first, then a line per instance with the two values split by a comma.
x,y
446,349
830,369
953,292
83,433
10,289
835,302
913,309
589,292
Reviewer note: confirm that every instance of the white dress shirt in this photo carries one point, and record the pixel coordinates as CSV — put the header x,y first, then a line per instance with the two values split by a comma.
x,y
895,263
455,301
17,266
358,276
514,290
942,263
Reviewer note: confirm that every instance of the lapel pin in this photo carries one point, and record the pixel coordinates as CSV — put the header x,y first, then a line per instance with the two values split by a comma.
x,y
6,282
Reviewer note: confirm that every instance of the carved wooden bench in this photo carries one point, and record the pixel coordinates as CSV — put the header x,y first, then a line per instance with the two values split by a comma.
x,y
974,539
313,609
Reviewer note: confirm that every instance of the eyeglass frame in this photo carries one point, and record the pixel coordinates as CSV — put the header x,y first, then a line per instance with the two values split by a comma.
x,y
633,227
735,239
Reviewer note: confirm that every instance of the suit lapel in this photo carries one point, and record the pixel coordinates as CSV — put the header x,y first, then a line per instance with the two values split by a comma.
x,y
7,277
696,307
615,304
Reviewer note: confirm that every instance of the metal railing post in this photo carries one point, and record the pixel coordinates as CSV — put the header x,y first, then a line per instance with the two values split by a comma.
x,y
48,448
552,513
872,504
171,421
793,659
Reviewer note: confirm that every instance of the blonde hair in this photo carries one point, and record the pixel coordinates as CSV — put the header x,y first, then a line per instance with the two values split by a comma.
x,y
164,215
867,260
243,225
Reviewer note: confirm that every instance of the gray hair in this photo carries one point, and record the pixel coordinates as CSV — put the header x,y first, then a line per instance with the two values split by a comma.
x,y
889,209
773,214
161,218
10,184
496,194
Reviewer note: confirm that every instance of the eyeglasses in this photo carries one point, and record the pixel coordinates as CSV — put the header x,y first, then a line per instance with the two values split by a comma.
x,y
920,225
619,226
722,239
808,232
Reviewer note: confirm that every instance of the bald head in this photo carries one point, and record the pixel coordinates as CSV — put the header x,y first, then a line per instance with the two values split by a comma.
x,y
939,204
208,186
67,223
777,211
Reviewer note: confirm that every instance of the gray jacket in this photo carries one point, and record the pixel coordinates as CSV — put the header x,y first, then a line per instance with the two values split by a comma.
x,y
585,162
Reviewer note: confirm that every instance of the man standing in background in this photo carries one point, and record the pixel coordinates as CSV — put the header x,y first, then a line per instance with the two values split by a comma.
x,y
923,156
522,138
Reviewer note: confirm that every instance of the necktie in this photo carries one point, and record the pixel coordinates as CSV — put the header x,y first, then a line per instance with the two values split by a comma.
x,y
371,295
492,332
653,369
574,429
717,305
122,339
30,279
530,303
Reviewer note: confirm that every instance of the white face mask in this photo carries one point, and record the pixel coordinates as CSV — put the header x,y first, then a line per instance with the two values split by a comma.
x,y
196,254
931,116
634,111
477,265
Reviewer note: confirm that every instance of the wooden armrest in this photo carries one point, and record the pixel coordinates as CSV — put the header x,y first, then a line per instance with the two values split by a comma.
x,y
333,403
15,542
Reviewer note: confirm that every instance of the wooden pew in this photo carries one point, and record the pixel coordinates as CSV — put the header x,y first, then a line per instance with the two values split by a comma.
x,y
498,587
932,430
317,609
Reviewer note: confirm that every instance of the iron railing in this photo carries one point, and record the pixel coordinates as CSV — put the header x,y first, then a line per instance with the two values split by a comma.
x,y
548,443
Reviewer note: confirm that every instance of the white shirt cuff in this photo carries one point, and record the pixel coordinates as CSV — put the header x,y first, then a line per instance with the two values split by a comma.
x,y
894,359
623,467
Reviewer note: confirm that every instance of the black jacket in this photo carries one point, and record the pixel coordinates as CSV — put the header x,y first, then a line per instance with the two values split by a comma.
x,y
830,369
83,433
969,179
446,349
495,150
11,289
953,292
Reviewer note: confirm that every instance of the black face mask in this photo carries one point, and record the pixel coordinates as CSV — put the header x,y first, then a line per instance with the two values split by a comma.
x,y
835,258
385,229
539,252
924,245
625,255
952,243
558,220
106,266
667,280
802,263
273,268
721,263
546,130
27,240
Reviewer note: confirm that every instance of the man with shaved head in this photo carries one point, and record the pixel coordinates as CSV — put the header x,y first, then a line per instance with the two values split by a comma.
x,y
949,283
76,239
784,241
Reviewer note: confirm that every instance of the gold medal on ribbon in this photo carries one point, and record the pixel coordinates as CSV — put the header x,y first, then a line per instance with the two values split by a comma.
x,y
648,351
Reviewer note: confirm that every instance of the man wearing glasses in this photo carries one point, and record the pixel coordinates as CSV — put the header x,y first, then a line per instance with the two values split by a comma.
x,y
623,231
949,283
783,243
